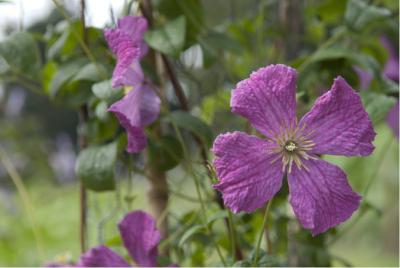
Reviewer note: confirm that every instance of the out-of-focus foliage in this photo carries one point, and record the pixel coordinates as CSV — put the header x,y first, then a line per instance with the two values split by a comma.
x,y
211,44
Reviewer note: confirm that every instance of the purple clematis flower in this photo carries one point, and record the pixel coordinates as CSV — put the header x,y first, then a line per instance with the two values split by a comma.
x,y
140,237
141,106
251,169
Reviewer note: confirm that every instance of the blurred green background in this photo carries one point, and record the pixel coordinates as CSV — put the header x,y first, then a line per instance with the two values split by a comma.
x,y
39,136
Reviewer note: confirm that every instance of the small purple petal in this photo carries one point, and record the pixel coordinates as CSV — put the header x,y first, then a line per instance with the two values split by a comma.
x,y
127,43
338,123
248,178
392,64
393,119
101,256
135,27
139,108
267,99
321,196
141,237
364,77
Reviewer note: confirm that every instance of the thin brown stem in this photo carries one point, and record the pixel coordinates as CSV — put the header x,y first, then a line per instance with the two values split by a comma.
x,y
83,118
145,8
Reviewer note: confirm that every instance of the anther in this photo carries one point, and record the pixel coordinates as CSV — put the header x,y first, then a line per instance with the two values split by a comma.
x,y
290,146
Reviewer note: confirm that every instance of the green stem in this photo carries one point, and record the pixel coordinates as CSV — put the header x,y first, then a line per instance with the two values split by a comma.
x,y
232,235
198,192
261,232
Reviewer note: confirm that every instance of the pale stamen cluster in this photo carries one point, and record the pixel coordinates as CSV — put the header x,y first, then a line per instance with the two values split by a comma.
x,y
292,145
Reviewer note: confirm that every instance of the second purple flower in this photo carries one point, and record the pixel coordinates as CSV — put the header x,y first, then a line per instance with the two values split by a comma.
x,y
141,105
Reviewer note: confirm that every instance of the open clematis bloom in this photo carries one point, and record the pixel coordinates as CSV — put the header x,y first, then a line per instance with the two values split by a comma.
x,y
141,106
251,169
140,237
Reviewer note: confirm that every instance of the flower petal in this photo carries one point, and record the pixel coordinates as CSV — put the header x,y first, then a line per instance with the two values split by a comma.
x,y
248,179
128,70
393,119
338,123
141,238
101,256
135,27
267,99
139,108
321,196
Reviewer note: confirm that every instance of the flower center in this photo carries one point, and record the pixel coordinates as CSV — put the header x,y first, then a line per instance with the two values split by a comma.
x,y
292,145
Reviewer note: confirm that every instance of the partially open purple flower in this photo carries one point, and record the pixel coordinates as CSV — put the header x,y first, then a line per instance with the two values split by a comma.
x,y
141,106
251,169
140,236
126,41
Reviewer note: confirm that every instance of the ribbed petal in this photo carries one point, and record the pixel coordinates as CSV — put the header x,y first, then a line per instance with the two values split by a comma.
x,y
267,99
140,237
140,107
126,41
338,123
248,178
128,70
393,119
135,27
101,256
321,197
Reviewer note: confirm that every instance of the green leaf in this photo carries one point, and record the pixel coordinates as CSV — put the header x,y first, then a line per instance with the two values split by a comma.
x,y
104,91
21,54
377,105
4,67
63,75
95,167
220,214
114,241
168,39
90,72
101,111
190,233
193,124
191,9
359,14
165,153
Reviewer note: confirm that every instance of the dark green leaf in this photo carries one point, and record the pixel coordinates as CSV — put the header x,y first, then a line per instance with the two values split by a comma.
x,y
359,14
191,9
168,39
95,167
165,153
193,124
